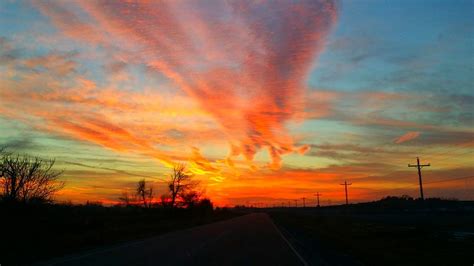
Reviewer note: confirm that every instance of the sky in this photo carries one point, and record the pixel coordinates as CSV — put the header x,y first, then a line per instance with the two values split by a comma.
x,y
264,101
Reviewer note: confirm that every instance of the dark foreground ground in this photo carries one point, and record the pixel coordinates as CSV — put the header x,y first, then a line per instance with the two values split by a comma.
x,y
251,239
32,233
372,235
387,232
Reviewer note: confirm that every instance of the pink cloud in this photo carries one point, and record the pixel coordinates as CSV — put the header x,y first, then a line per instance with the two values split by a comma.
x,y
407,137
244,62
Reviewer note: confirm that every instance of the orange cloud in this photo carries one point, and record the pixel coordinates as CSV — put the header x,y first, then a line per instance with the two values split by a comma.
x,y
242,66
73,106
66,19
407,137
234,77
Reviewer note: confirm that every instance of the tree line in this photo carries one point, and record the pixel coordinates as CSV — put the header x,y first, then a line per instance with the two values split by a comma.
x,y
29,179
182,192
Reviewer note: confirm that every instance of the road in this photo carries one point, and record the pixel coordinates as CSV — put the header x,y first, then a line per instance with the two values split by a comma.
x,y
251,239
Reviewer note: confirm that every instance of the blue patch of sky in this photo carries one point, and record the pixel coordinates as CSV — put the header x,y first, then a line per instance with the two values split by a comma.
x,y
374,42
17,16
17,19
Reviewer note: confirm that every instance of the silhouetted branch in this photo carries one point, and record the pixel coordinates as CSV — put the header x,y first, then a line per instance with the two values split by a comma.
x,y
25,178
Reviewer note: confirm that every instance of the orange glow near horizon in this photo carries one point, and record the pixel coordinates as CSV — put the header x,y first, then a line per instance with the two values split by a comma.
x,y
118,91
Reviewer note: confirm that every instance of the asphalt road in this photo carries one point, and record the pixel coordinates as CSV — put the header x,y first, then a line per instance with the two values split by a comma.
x,y
252,239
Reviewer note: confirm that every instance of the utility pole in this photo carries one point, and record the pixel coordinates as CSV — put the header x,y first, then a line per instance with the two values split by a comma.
x,y
304,202
296,203
317,195
289,204
419,166
345,188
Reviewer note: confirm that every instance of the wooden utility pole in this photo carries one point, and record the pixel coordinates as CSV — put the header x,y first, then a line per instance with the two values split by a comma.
x,y
317,195
419,166
345,188
304,202
296,203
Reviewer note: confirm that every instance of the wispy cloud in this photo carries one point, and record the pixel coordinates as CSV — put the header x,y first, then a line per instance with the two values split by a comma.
x,y
407,137
245,63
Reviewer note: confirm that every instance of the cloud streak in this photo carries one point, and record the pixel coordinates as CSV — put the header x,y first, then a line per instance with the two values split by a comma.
x,y
245,63
407,137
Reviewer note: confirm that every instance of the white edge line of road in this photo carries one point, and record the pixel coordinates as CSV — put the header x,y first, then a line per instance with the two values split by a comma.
x,y
289,244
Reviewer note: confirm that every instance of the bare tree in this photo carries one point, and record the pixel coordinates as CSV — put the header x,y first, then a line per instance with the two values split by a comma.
x,y
125,199
144,194
180,183
24,178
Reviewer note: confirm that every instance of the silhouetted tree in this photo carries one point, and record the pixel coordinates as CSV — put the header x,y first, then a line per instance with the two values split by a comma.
x,y
94,204
144,193
180,184
190,198
125,199
25,179
205,205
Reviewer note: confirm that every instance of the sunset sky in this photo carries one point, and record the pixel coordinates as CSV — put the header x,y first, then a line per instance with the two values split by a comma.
x,y
265,101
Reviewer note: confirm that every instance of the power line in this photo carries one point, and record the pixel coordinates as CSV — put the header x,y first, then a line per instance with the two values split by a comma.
x,y
102,168
113,170
413,186
450,179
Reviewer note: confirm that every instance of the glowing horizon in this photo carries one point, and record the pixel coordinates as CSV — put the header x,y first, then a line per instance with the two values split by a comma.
x,y
265,102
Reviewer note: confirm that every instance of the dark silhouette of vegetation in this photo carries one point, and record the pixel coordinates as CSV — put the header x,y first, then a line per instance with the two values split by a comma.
x,y
144,193
190,198
204,206
26,179
182,192
125,199
31,182
182,189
